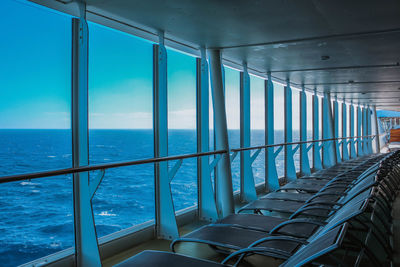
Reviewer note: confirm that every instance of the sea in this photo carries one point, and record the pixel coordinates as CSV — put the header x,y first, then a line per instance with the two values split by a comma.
x,y
36,216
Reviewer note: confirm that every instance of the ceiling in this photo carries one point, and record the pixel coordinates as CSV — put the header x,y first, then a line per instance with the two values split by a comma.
x,y
349,48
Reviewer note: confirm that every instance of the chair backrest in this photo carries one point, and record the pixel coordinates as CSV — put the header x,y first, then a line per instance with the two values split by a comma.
x,y
320,246
349,211
360,187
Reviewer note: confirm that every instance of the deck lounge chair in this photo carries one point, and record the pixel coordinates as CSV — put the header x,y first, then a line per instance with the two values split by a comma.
x,y
235,237
306,252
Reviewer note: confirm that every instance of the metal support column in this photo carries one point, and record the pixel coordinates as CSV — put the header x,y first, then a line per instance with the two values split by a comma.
x,y
328,151
353,153
207,208
304,161
377,138
86,247
359,133
336,129
166,226
247,185
223,181
290,169
345,151
317,164
271,175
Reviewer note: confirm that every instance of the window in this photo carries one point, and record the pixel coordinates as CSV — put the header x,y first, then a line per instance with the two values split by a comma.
x,y
340,119
279,127
121,127
296,126
257,112
182,126
35,135
232,105
320,118
309,124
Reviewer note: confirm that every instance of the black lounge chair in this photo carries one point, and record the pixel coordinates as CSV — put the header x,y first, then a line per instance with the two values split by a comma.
x,y
327,194
228,237
306,253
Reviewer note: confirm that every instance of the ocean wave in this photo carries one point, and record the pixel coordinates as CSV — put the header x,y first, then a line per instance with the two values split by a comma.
x,y
28,183
106,213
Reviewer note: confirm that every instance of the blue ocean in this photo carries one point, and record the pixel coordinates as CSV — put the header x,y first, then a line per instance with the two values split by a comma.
x,y
36,216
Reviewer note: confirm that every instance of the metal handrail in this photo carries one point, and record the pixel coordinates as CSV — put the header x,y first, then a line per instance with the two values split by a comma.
x,y
35,175
299,143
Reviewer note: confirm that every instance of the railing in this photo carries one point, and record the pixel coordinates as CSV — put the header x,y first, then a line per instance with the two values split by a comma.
x,y
35,175
301,142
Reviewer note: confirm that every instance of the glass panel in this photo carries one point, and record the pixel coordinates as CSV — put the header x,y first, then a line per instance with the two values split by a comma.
x,y
296,125
279,126
320,100
340,127
309,124
120,122
348,119
320,113
36,217
182,126
356,132
257,111
232,103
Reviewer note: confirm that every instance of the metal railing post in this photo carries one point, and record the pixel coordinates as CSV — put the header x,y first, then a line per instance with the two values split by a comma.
x,y
223,181
336,129
290,169
271,175
166,226
206,199
353,153
317,164
345,151
247,185
86,247
304,161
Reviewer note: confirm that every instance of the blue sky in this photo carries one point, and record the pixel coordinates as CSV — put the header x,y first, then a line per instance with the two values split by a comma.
x,y
35,72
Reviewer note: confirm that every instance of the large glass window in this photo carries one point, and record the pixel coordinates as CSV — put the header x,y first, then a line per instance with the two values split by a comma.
x,y
340,119
182,126
120,126
36,216
348,126
232,105
296,126
320,118
279,126
257,112
309,124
